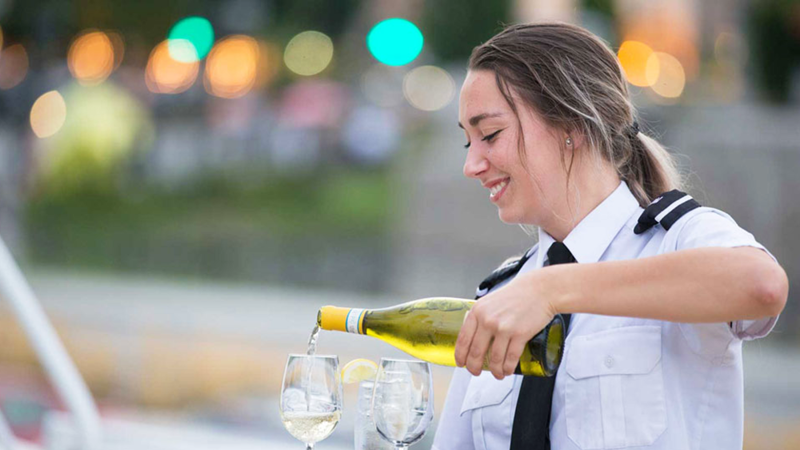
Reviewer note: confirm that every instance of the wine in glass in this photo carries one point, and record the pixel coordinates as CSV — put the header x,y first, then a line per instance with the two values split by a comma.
x,y
311,397
402,404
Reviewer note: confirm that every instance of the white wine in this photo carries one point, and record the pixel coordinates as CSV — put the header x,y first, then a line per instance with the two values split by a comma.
x,y
312,341
428,328
310,427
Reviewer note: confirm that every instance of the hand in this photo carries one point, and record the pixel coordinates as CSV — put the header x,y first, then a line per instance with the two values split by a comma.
x,y
504,320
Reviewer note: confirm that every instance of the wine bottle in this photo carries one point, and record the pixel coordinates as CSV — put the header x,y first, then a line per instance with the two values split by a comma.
x,y
427,329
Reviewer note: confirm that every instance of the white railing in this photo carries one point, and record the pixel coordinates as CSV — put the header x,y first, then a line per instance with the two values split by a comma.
x,y
54,358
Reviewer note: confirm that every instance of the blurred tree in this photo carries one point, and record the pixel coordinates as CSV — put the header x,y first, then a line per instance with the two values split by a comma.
x,y
56,22
775,46
454,27
326,16
598,16
604,7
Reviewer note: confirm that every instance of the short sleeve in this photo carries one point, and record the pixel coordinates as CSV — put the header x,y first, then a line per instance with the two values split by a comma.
x,y
709,227
454,429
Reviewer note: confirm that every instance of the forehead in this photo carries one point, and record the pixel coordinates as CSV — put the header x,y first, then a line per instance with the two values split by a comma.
x,y
480,95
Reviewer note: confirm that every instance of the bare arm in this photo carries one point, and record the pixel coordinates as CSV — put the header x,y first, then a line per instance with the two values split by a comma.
x,y
699,285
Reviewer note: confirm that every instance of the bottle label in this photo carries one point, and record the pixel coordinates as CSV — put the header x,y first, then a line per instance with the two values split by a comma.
x,y
354,319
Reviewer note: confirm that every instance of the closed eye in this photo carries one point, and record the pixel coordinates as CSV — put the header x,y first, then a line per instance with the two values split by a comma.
x,y
487,138
490,137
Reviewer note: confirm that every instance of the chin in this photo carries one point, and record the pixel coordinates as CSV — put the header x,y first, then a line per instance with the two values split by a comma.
x,y
508,217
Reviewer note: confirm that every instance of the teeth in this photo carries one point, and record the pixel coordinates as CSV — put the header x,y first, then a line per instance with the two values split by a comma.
x,y
497,188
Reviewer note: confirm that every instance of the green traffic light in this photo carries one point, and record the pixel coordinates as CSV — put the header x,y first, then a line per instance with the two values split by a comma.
x,y
196,31
395,42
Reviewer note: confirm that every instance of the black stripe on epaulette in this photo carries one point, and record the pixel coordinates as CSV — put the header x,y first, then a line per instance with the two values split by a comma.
x,y
506,270
648,218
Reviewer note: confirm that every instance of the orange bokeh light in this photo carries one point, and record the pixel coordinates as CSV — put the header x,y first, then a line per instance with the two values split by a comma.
x,y
665,75
91,58
13,66
165,75
118,43
232,67
670,28
633,57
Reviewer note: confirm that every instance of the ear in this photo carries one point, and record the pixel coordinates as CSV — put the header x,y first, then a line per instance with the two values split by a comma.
x,y
578,139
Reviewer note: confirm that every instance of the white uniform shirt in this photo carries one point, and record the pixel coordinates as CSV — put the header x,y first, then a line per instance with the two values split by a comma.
x,y
624,382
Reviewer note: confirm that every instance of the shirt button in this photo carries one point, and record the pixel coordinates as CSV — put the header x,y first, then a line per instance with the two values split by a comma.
x,y
609,361
476,398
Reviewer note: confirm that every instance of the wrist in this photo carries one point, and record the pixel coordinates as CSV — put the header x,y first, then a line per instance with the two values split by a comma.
x,y
553,289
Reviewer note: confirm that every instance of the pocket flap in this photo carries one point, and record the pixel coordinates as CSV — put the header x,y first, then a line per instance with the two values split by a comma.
x,y
486,390
621,351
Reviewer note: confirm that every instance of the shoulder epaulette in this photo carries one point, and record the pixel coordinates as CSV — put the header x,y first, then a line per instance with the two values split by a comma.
x,y
666,210
506,270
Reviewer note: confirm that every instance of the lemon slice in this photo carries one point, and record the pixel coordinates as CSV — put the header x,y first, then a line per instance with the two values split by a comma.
x,y
359,370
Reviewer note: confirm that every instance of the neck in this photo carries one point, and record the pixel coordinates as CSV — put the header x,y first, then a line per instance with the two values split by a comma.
x,y
589,185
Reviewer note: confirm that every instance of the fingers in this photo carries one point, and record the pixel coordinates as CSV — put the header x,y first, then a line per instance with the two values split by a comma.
x,y
465,339
515,348
477,351
498,355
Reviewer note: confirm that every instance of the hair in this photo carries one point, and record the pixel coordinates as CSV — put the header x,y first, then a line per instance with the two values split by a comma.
x,y
573,80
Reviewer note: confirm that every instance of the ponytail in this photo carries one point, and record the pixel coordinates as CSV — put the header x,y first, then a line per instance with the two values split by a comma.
x,y
648,168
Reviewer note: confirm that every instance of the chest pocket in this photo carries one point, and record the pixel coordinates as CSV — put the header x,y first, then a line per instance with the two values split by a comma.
x,y
488,401
614,391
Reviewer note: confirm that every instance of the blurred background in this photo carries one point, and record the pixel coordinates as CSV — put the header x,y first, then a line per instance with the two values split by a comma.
x,y
186,182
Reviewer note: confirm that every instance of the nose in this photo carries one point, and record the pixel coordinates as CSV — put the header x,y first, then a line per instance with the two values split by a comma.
x,y
475,163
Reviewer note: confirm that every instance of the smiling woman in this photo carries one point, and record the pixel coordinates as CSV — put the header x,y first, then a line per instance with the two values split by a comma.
x,y
665,291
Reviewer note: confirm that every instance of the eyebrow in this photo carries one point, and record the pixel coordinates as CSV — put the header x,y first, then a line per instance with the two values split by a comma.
x,y
475,120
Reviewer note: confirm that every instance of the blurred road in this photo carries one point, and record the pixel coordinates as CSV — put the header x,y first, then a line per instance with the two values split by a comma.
x,y
167,343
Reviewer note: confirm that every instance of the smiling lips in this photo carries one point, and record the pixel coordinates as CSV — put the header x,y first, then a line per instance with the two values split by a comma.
x,y
498,189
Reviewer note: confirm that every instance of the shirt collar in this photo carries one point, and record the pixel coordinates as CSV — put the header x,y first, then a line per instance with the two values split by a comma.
x,y
592,236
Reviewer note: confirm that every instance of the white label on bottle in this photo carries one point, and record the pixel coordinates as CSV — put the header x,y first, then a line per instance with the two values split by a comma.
x,y
353,319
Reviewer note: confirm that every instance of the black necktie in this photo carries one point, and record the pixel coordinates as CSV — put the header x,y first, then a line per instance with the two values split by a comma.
x,y
531,429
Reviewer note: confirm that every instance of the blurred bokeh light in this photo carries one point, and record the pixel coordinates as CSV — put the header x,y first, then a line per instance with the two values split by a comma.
x,y
196,31
48,114
395,42
165,75
668,27
1,39
308,53
104,125
429,88
118,44
13,66
91,57
665,75
232,67
634,56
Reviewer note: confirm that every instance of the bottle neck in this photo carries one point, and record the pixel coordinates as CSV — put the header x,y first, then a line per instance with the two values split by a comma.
x,y
334,318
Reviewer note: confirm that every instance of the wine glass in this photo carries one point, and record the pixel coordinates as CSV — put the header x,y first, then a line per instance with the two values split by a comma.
x,y
402,404
311,397
366,436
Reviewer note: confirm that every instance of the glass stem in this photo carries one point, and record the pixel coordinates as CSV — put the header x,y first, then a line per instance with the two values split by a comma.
x,y
309,446
402,447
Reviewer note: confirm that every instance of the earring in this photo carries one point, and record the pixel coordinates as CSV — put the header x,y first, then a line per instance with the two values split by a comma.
x,y
569,141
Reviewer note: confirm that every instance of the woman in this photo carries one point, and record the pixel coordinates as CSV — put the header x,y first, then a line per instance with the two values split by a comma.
x,y
661,297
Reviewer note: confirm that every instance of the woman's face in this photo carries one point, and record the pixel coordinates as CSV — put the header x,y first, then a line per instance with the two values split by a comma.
x,y
527,196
